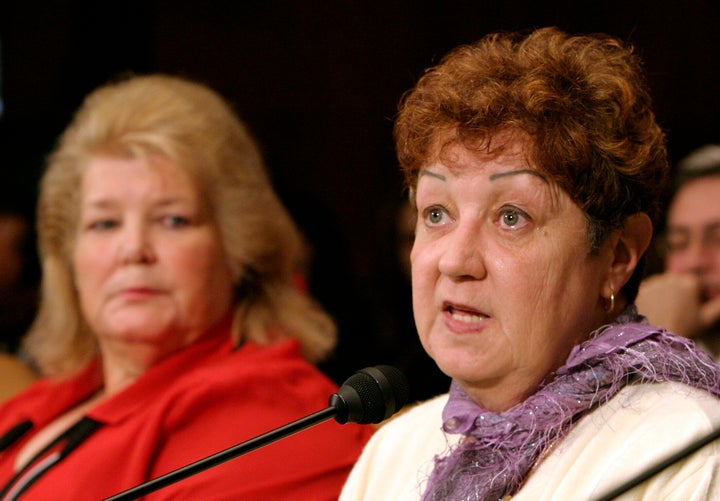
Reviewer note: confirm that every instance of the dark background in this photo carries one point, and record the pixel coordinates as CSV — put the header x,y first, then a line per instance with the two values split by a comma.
x,y
318,82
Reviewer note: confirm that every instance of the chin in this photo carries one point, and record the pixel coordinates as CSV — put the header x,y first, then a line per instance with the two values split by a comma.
x,y
467,370
144,332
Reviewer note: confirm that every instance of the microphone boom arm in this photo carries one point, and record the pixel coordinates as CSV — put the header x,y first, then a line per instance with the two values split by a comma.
x,y
225,455
368,396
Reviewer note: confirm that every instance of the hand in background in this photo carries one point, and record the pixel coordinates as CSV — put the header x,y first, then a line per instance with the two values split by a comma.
x,y
673,301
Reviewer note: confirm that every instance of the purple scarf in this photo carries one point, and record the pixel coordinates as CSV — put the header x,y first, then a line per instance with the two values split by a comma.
x,y
500,449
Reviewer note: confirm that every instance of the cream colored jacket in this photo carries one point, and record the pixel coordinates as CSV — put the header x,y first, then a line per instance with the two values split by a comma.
x,y
637,428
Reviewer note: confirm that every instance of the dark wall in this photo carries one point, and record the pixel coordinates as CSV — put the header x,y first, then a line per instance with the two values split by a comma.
x,y
318,81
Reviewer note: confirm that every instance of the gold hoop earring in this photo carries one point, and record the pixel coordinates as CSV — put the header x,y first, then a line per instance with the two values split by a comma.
x,y
611,307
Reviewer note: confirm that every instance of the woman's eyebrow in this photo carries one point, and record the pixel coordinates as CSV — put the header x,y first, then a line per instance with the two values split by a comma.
x,y
430,173
498,175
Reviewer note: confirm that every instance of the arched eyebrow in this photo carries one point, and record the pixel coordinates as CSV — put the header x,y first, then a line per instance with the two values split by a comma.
x,y
430,173
498,175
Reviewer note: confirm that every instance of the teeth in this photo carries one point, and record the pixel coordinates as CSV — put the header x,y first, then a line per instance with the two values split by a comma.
x,y
467,317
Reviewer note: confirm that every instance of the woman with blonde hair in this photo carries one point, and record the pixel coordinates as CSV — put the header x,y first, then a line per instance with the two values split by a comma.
x,y
169,327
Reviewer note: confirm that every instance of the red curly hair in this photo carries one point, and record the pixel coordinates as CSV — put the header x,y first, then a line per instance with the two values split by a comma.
x,y
582,102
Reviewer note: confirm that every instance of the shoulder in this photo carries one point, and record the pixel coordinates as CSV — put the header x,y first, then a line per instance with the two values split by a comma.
x,y
245,394
251,377
654,405
400,456
652,419
631,433
426,413
421,419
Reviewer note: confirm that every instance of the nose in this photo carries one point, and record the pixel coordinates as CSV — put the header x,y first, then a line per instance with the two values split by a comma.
x,y
135,246
462,253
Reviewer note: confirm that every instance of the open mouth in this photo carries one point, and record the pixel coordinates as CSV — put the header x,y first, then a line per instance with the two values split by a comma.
x,y
463,314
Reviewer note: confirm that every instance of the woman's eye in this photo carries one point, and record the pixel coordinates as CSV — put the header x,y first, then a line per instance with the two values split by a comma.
x,y
677,240
513,217
175,221
102,224
434,215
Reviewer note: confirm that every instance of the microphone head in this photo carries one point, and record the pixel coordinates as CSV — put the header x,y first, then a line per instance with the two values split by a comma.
x,y
371,395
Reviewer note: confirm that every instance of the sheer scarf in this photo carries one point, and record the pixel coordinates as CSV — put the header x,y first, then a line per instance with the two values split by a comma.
x,y
499,449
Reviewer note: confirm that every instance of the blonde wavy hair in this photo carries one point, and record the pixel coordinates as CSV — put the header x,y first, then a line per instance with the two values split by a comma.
x,y
196,129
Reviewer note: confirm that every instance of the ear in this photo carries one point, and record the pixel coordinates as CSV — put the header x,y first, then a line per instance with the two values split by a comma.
x,y
628,246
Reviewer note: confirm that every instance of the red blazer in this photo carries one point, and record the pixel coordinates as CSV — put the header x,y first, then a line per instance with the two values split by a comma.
x,y
191,405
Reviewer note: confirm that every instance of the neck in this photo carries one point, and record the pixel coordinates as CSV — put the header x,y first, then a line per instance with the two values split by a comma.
x,y
499,397
119,372
124,362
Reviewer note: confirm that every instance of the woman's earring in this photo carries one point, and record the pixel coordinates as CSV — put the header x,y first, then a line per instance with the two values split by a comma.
x,y
611,306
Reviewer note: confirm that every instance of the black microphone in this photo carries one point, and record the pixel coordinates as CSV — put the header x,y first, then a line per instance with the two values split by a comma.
x,y
371,395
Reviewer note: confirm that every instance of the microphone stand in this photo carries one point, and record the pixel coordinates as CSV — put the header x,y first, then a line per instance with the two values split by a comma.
x,y
225,455
368,396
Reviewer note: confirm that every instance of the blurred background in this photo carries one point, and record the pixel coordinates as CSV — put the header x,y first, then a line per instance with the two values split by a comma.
x,y
318,83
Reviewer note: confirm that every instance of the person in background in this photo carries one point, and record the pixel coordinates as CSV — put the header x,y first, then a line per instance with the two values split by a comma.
x,y
19,279
15,375
19,276
685,298
536,165
169,328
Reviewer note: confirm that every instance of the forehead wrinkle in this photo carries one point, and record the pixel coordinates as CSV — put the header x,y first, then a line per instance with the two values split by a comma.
x,y
554,189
